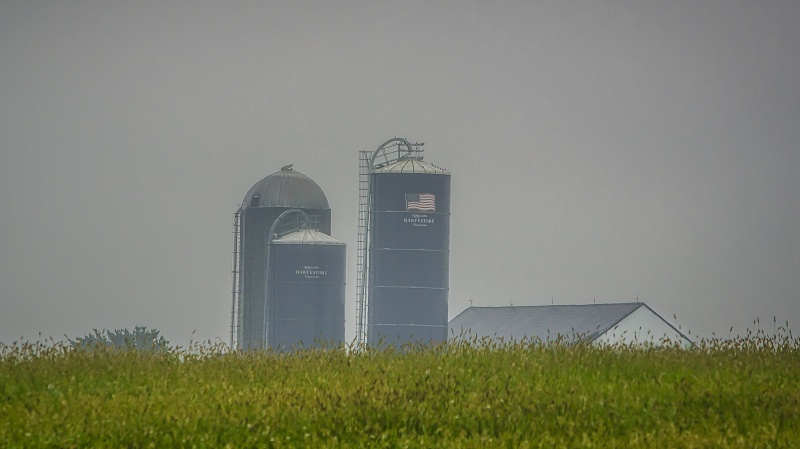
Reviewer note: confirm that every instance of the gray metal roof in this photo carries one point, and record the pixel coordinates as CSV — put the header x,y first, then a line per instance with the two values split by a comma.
x,y
411,165
543,322
306,237
287,188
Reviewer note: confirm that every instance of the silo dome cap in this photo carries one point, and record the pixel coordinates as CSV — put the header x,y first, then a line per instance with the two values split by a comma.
x,y
287,188
307,237
412,165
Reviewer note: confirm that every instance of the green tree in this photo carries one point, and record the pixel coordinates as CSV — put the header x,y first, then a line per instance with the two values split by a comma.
x,y
141,338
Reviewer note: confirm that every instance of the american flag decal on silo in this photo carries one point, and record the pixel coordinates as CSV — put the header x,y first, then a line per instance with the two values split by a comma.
x,y
421,201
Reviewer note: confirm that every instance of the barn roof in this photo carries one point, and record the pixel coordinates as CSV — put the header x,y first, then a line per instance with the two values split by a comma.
x,y
587,321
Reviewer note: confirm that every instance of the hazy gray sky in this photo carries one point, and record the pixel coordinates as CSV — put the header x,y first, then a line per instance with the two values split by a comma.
x,y
599,149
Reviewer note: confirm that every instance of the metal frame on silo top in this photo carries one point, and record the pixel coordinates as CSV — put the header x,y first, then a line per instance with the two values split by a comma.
x,y
403,282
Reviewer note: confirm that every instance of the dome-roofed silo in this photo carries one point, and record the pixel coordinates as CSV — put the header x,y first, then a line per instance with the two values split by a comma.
x,y
266,200
287,188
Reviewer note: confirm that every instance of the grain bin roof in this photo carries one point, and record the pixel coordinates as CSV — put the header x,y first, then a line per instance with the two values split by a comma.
x,y
411,165
287,188
306,237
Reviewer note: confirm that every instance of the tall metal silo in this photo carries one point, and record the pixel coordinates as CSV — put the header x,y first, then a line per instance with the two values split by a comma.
x,y
264,202
305,291
404,246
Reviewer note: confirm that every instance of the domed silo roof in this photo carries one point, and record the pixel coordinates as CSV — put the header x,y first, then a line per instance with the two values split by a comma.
x,y
411,165
287,188
307,237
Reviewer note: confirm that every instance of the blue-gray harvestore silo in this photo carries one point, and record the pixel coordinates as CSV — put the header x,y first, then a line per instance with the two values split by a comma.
x,y
264,202
305,302
408,249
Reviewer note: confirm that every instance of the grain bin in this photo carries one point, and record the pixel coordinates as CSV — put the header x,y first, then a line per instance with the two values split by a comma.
x,y
306,291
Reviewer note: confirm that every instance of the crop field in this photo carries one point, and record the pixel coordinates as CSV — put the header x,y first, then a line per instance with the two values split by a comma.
x,y
742,393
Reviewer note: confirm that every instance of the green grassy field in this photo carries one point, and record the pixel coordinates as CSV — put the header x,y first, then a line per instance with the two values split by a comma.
x,y
743,393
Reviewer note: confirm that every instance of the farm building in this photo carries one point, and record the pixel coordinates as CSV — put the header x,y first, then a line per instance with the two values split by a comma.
x,y
597,323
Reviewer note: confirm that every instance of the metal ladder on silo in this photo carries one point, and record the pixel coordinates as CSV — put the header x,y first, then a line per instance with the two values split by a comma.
x,y
236,287
363,251
367,162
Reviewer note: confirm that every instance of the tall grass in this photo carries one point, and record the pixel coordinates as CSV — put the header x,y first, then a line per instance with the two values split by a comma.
x,y
742,393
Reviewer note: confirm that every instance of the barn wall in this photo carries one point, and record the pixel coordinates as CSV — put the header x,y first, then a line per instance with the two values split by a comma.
x,y
634,329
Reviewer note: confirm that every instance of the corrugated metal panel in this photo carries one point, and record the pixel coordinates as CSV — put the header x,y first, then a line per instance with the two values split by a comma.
x,y
287,188
306,237
543,322
412,165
